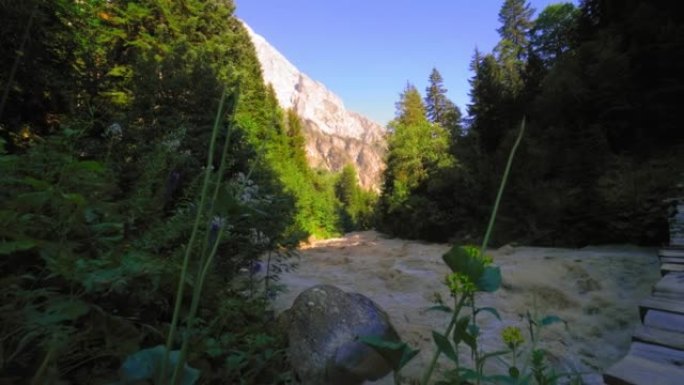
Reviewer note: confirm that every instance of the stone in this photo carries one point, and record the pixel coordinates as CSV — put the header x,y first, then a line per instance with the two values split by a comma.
x,y
334,135
323,326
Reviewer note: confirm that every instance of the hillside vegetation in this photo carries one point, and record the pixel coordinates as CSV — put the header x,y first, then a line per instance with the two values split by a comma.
x,y
107,118
600,86
145,169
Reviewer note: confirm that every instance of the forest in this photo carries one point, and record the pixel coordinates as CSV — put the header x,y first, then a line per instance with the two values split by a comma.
x,y
599,86
146,169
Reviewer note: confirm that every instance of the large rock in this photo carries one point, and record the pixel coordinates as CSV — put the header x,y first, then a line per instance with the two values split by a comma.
x,y
335,136
323,327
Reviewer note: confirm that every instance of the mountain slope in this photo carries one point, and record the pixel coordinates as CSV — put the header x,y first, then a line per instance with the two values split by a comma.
x,y
334,136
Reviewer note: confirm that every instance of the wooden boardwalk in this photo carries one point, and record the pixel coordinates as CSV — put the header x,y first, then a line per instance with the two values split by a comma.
x,y
656,356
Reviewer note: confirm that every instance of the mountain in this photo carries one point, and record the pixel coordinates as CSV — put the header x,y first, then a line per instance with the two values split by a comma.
x,y
335,136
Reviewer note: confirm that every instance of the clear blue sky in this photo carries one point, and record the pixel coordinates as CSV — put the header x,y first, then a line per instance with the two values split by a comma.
x,y
366,50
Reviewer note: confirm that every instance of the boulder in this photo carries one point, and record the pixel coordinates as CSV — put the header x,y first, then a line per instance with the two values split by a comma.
x,y
323,327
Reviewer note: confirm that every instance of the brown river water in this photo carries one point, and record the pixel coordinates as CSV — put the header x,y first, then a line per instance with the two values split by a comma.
x,y
596,290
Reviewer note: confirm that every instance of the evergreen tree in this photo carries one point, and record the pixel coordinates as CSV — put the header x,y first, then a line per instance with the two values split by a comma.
x,y
435,98
440,110
486,99
410,108
554,31
417,150
515,17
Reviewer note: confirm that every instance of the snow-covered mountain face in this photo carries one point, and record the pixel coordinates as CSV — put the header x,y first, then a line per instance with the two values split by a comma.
x,y
334,136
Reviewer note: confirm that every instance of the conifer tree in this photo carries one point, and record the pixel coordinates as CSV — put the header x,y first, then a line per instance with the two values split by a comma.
x,y
554,31
410,107
440,110
515,17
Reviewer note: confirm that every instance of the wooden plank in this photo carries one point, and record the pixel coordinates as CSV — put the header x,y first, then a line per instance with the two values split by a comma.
x,y
635,370
664,321
670,286
663,304
670,339
672,260
656,353
592,379
671,252
670,268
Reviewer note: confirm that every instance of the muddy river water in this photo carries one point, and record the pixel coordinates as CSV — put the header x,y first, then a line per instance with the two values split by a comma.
x,y
596,290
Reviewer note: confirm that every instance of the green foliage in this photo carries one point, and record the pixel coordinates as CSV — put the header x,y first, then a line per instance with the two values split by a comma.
x,y
471,272
358,205
598,84
439,109
418,150
554,31
100,190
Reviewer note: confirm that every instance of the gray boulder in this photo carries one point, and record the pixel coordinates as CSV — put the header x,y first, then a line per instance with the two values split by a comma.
x,y
323,326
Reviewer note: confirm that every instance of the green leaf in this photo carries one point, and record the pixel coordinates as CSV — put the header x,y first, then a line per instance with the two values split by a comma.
x,y
35,183
35,198
7,248
490,280
494,354
59,311
468,374
473,330
460,331
120,71
551,319
443,308
380,343
89,165
383,346
236,361
444,346
514,372
460,261
489,310
406,356
74,198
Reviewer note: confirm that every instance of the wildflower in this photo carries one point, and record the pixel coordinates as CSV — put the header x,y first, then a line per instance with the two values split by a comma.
x,y
460,283
512,337
215,226
474,252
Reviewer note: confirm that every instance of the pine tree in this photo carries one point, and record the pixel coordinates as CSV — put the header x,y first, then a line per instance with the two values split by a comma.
x,y
417,150
435,97
554,31
410,107
515,17
440,110
487,97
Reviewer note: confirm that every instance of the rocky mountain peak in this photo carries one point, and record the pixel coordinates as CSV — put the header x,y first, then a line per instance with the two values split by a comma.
x,y
335,136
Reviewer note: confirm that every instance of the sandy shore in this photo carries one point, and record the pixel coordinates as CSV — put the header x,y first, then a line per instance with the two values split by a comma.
x,y
595,289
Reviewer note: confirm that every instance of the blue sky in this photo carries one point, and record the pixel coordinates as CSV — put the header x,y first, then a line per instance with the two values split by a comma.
x,y
366,50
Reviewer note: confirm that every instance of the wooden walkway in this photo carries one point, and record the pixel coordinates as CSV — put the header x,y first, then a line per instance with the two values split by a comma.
x,y
656,356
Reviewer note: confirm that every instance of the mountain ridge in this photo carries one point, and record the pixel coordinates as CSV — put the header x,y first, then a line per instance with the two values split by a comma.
x,y
334,135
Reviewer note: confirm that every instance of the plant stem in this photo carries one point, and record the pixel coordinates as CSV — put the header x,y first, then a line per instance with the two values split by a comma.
x,y
435,357
194,305
502,186
188,249
38,377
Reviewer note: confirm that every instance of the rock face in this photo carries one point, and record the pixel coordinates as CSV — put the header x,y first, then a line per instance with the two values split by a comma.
x,y
334,136
323,326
